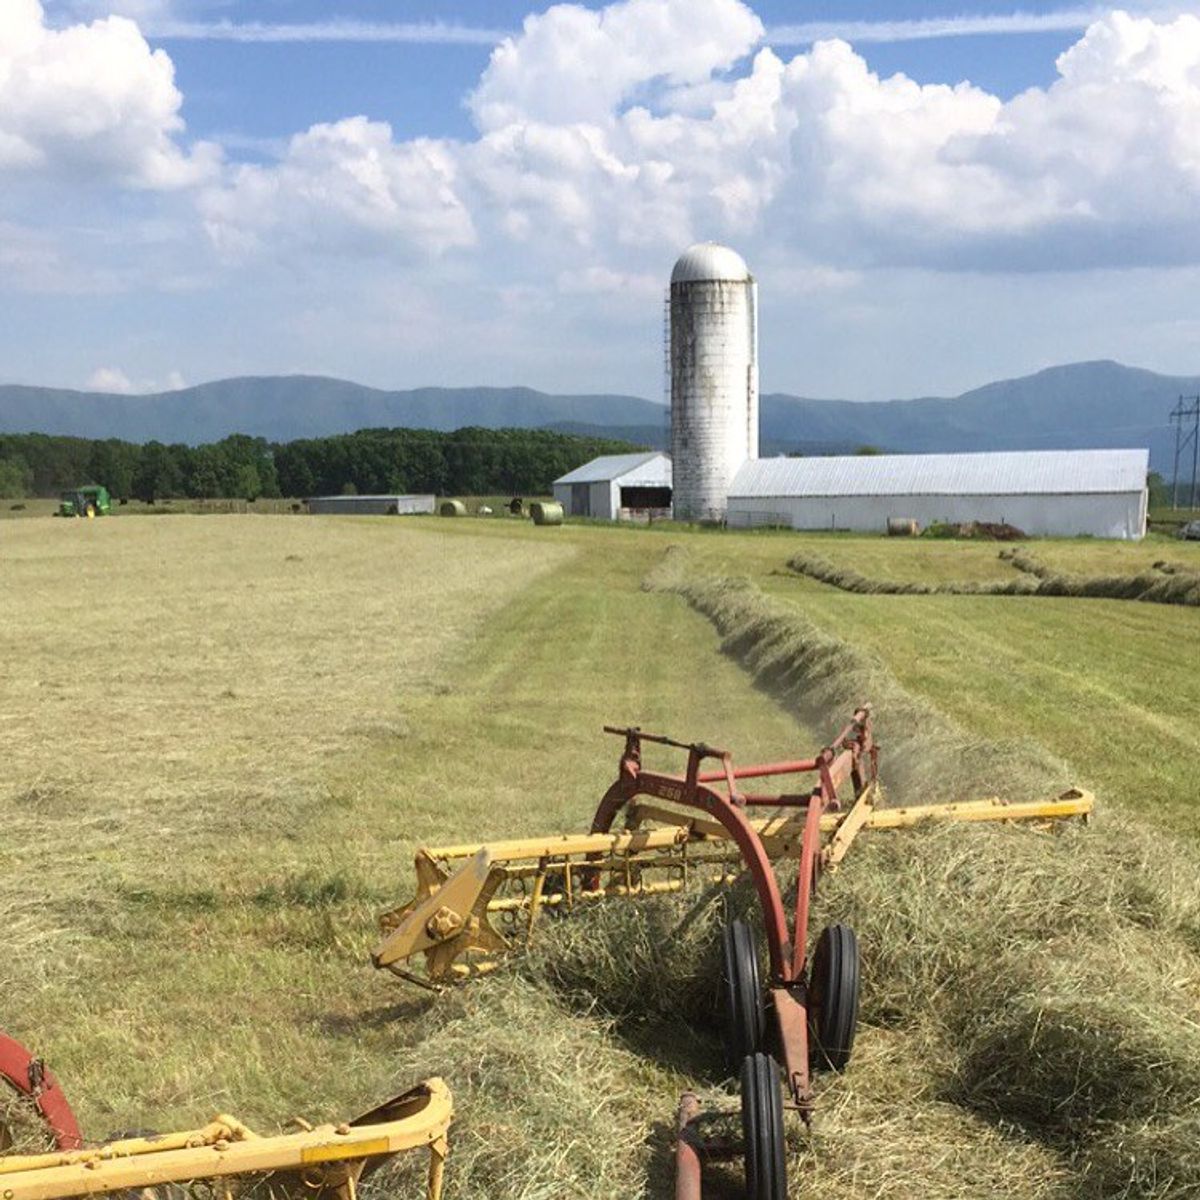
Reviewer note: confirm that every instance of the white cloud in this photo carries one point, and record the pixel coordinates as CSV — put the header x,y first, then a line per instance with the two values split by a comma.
x,y
93,101
343,187
114,381
607,135
604,57
110,379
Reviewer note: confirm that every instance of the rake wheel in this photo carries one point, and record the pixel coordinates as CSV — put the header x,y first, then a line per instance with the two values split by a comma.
x,y
745,1016
833,997
762,1128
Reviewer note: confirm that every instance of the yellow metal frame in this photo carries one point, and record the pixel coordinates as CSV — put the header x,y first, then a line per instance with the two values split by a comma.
x,y
324,1163
463,889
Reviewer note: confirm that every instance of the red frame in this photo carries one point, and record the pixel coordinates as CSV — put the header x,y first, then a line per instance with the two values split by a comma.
x,y
852,756
31,1077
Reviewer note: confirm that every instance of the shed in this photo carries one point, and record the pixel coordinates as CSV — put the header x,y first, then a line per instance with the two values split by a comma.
x,y
1055,493
616,486
371,506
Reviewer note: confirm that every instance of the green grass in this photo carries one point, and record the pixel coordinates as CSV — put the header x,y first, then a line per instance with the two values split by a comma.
x,y
225,738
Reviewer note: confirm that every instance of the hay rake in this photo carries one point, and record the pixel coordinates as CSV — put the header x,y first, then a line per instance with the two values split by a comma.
x,y
223,1160
476,902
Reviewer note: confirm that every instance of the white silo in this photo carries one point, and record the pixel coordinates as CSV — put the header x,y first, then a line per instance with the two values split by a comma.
x,y
714,377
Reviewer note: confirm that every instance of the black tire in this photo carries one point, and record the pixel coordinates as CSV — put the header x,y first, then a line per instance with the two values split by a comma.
x,y
762,1128
745,1017
833,997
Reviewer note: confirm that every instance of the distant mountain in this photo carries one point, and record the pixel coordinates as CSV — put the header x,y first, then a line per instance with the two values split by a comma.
x,y
1095,404
284,407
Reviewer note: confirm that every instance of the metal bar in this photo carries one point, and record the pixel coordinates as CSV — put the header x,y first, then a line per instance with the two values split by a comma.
x,y
89,1173
687,1150
810,849
848,827
791,1023
1073,803
760,770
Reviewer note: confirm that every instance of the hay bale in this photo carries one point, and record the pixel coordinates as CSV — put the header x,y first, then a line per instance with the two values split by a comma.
x,y
546,512
902,527
452,508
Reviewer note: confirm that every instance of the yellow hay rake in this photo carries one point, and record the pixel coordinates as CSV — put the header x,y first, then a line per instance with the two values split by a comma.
x,y
474,903
223,1160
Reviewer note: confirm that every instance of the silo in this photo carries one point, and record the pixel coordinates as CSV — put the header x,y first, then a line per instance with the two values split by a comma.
x,y
714,377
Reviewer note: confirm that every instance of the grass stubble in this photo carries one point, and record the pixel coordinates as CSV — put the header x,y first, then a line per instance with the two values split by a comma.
x,y
1030,1003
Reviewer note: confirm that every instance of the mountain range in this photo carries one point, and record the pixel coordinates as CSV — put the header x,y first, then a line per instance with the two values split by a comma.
x,y
1093,404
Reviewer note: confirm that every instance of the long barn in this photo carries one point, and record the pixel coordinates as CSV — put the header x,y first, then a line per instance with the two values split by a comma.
x,y
1048,493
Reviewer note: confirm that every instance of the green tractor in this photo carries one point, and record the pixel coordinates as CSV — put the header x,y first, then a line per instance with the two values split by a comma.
x,y
90,501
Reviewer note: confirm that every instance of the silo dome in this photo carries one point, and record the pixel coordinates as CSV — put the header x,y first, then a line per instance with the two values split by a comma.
x,y
708,261
714,377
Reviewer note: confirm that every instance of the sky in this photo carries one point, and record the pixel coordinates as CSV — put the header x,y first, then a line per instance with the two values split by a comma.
x,y
407,193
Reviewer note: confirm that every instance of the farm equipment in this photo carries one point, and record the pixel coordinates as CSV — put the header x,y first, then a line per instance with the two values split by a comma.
x,y
89,501
476,902
224,1157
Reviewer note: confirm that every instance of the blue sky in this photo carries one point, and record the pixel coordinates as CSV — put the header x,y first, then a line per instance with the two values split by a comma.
x,y
931,195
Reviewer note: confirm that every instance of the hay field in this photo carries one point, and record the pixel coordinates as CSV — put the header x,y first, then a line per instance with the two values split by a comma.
x,y
190,896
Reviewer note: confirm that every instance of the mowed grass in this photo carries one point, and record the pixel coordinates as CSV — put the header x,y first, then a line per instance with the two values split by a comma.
x,y
225,737
1108,685
190,884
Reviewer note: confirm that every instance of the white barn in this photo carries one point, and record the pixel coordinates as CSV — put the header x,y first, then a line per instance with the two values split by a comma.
x,y
1055,493
371,506
615,482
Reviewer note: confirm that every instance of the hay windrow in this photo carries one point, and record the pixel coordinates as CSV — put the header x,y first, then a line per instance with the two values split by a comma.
x,y
1031,1004
1157,586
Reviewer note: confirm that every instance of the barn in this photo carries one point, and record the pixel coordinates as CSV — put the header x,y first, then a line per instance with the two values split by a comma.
x,y
1049,493
617,486
371,506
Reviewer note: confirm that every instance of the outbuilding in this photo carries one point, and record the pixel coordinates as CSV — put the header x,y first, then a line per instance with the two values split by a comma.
x,y
371,506
618,487
1047,493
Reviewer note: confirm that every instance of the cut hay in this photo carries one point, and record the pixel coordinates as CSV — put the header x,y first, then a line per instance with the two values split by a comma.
x,y
1031,1002
1156,586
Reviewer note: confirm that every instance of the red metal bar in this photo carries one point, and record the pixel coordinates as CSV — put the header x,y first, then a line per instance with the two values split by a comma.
x,y
795,801
687,1150
791,1023
761,769
667,787
31,1077
809,849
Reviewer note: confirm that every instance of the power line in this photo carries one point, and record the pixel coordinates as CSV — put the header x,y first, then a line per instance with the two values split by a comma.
x,y
1187,409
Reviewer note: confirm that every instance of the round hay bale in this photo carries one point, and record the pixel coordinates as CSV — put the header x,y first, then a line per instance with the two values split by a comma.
x,y
546,512
902,527
452,508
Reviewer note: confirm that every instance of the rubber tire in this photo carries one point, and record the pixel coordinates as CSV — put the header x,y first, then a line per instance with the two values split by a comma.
x,y
762,1128
833,997
745,1015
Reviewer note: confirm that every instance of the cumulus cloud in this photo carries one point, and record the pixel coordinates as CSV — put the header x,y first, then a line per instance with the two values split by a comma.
x,y
604,57
343,186
91,101
641,126
116,382
110,379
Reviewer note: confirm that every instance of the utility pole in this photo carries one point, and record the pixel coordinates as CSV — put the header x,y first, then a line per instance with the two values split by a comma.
x,y
1186,418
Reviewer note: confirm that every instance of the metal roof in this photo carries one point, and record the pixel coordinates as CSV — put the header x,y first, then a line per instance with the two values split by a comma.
x,y
609,466
709,261
1021,473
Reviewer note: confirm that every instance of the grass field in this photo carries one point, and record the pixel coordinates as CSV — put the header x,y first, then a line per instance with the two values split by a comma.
x,y
225,736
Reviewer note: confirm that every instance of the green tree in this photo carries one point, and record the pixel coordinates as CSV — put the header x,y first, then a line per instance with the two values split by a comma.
x,y
16,479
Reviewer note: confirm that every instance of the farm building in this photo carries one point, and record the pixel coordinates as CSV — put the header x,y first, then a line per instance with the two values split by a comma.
x,y
617,486
1056,493
371,506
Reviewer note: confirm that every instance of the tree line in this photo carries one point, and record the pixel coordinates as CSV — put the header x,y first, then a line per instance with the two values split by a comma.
x,y
470,461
